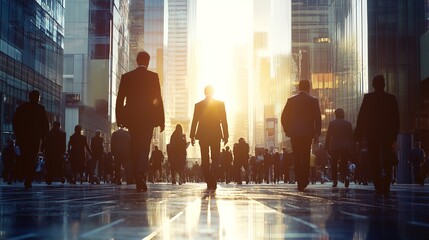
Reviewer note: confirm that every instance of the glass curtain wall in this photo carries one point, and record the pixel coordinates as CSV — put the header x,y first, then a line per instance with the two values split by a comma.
x,y
31,57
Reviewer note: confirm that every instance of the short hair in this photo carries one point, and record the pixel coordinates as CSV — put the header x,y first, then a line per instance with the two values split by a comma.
x,y
143,58
56,125
208,90
304,85
339,113
34,96
77,129
378,82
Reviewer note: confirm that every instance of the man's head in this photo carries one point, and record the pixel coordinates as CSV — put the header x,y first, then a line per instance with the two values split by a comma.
x,y
304,85
143,59
34,96
378,83
56,125
97,133
339,113
208,91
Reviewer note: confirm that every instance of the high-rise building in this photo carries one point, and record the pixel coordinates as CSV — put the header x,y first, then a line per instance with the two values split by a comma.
x,y
31,57
96,55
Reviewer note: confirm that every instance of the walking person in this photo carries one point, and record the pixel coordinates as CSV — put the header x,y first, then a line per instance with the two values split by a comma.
x,y
227,165
209,126
9,161
77,150
241,160
339,143
301,121
140,108
54,148
97,150
177,154
378,123
30,125
417,161
157,160
121,151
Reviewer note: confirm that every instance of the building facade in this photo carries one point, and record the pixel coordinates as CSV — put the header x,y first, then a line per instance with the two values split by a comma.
x,y
31,57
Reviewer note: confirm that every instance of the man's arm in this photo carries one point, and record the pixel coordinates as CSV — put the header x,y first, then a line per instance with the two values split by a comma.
x,y
224,124
119,110
195,120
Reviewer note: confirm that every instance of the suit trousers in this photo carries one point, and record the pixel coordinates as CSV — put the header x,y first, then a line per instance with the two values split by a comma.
x,y
140,139
343,158
381,165
210,147
29,151
301,148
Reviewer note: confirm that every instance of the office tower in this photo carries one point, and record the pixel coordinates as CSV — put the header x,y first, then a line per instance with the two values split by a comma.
x,y
96,55
31,58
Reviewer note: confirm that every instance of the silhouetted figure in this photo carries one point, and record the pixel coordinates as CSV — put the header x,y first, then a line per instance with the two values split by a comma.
x,y
76,149
30,125
301,121
227,165
97,150
339,143
121,151
278,167
209,126
268,166
177,154
141,92
55,148
9,161
241,160
417,160
378,123
156,159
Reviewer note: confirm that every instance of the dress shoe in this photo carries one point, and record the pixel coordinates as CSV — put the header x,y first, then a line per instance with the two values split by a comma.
x,y
141,187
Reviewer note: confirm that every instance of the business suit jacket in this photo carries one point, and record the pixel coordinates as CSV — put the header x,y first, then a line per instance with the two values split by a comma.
x,y
301,116
339,136
141,92
378,119
209,120
30,124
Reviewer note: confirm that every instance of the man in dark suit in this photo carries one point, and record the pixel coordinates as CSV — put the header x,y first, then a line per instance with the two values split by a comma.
x,y
139,107
30,125
339,142
55,148
378,123
209,126
301,121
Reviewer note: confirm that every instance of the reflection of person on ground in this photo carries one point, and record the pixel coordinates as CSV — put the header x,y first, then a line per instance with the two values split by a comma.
x,y
97,150
157,159
9,161
177,154
339,143
378,123
140,90
77,148
241,160
120,145
301,121
209,126
417,159
30,125
54,148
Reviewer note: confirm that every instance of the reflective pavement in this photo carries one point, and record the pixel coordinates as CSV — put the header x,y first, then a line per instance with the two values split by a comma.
x,y
234,212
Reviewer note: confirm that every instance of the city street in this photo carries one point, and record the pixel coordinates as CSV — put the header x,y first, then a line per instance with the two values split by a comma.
x,y
234,212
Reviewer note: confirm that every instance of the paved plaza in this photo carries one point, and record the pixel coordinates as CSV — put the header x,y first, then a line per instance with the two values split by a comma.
x,y
189,211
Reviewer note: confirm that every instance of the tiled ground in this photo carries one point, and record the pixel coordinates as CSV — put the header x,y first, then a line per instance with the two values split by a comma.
x,y
232,212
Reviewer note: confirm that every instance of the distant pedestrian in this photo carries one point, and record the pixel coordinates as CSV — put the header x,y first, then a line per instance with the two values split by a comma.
x,y
9,161
378,123
339,143
176,152
241,160
121,151
301,121
77,148
417,161
30,125
54,148
157,159
97,150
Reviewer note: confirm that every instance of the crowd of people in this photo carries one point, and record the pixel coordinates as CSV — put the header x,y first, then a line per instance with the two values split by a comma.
x,y
366,154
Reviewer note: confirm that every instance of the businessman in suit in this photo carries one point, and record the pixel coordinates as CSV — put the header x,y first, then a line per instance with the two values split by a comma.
x,y
209,126
301,121
139,107
378,123
339,142
30,125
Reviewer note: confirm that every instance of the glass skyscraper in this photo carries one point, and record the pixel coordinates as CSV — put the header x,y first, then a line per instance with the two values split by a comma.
x,y
31,57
